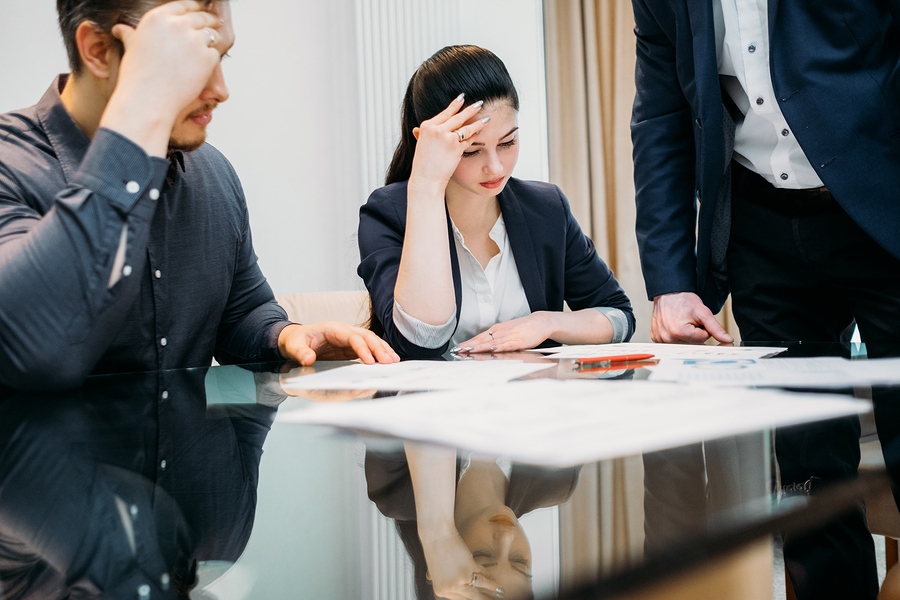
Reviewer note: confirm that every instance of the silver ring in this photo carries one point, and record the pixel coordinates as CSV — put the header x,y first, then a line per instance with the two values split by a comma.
x,y
474,579
491,333
462,136
212,37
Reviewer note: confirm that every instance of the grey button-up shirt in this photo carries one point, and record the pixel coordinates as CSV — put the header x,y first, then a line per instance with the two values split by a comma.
x,y
187,288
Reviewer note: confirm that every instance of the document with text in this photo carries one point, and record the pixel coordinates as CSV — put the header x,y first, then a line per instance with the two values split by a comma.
x,y
418,375
820,372
660,351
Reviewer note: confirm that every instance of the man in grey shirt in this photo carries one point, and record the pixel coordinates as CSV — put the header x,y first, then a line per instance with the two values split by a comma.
x,y
124,238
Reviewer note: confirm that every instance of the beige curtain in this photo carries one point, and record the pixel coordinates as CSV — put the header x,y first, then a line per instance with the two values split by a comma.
x,y
590,53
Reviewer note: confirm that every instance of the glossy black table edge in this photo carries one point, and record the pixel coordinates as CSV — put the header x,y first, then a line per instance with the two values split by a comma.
x,y
688,554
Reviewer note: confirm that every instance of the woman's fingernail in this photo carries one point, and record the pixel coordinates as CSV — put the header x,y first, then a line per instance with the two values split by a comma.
x,y
486,119
493,348
455,349
478,104
461,97
469,348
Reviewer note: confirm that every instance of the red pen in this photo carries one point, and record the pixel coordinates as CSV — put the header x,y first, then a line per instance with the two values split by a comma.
x,y
606,361
616,366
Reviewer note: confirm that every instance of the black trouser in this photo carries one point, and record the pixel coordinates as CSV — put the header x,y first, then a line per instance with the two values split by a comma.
x,y
800,269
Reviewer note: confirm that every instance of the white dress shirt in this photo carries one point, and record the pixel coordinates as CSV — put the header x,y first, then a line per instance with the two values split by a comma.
x,y
490,295
763,142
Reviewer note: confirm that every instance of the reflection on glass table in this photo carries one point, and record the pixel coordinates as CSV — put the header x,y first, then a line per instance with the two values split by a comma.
x,y
155,485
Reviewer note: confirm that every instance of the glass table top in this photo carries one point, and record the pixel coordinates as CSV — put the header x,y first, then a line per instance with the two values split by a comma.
x,y
184,484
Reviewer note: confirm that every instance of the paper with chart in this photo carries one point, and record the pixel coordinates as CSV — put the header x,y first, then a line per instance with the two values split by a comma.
x,y
660,351
565,423
821,372
417,375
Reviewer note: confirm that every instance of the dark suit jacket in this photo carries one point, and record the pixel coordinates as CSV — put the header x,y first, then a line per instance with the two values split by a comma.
x,y
836,73
556,261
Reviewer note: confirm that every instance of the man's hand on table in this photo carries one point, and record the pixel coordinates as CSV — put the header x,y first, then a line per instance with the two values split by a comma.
x,y
682,318
333,340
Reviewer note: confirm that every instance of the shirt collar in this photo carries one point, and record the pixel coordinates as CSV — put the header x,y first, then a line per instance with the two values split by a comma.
x,y
69,142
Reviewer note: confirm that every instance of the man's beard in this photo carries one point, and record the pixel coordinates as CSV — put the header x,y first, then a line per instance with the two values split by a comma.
x,y
189,144
186,145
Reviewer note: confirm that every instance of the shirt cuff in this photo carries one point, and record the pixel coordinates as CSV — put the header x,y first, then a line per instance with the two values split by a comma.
x,y
618,320
423,334
120,171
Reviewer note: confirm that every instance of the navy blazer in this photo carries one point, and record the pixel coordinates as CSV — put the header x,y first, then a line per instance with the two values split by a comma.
x,y
555,260
836,73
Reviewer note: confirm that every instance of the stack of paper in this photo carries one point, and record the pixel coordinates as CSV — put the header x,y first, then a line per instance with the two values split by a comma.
x,y
565,423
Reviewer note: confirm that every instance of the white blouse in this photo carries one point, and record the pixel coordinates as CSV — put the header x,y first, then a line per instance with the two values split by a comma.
x,y
490,295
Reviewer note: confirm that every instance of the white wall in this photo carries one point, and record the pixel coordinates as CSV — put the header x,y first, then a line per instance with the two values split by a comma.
x,y
294,125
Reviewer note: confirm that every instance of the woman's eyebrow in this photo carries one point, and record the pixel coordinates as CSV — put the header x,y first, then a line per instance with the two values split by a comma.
x,y
511,131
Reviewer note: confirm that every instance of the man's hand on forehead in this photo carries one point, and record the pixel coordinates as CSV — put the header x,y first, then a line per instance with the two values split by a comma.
x,y
168,60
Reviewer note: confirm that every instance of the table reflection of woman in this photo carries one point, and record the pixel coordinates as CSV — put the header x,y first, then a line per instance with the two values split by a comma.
x,y
457,253
459,519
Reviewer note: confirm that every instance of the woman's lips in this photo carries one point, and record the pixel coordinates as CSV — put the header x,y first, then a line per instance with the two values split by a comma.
x,y
492,184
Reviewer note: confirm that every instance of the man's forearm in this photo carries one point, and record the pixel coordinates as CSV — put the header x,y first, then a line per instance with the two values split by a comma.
x,y
57,310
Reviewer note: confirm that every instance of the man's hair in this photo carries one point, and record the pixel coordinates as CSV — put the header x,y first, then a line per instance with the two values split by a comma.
x,y
104,14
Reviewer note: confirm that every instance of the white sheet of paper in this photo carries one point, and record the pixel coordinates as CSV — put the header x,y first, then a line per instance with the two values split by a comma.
x,y
565,423
417,375
821,372
677,351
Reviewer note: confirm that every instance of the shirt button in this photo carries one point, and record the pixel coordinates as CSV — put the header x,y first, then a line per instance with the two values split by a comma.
x,y
759,101
164,341
144,592
165,394
132,187
785,132
126,270
162,465
784,176
154,194
157,273
751,48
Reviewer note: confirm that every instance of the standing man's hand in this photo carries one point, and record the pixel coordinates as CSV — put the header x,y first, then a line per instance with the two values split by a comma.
x,y
333,340
683,318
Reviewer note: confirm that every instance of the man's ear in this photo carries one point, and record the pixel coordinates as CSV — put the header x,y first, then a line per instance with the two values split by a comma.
x,y
98,50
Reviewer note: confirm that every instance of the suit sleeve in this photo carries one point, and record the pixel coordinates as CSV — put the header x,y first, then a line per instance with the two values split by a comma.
x,y
588,281
58,313
664,163
381,233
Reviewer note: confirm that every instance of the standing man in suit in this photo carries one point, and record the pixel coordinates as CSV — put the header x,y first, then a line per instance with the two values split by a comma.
x,y
124,238
780,119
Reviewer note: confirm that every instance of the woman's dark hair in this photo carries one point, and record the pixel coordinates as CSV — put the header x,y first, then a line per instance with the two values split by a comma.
x,y
453,70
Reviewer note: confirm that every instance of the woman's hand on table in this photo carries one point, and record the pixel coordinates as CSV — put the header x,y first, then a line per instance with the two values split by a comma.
x,y
333,340
517,334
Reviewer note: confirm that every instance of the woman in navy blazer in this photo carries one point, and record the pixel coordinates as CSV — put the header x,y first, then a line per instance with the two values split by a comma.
x,y
453,248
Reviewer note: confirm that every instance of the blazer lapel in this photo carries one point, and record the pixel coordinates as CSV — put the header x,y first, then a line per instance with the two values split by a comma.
x,y
773,10
523,249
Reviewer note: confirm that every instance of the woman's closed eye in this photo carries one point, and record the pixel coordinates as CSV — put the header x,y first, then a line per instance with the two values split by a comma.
x,y
508,144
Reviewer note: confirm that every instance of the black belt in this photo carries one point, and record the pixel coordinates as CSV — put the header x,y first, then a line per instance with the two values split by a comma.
x,y
752,187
